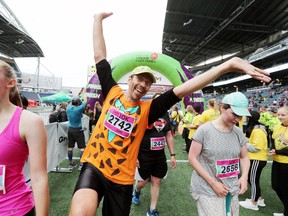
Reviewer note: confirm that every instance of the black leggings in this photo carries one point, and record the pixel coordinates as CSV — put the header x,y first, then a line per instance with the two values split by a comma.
x,y
279,183
255,170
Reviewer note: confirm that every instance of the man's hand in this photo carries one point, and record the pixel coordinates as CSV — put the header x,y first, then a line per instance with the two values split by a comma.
x,y
238,64
272,152
173,162
102,15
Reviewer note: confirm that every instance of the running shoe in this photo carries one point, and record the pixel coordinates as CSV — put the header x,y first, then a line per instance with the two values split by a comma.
x,y
80,166
153,213
249,205
72,164
136,197
260,202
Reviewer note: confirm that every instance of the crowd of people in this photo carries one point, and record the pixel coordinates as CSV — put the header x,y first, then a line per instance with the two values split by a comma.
x,y
128,142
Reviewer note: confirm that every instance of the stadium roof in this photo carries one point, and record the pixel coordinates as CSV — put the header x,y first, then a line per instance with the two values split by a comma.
x,y
197,30
14,39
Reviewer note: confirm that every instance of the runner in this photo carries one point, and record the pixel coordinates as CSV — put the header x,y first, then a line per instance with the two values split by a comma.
x,y
152,160
211,113
22,134
217,152
279,151
258,155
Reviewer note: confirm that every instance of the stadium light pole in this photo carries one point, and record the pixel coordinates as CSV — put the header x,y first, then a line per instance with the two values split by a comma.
x,y
38,71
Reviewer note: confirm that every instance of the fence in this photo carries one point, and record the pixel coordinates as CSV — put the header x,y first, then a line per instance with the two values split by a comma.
x,y
57,135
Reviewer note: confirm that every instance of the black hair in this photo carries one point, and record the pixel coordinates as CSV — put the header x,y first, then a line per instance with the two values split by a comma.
x,y
197,109
253,120
24,101
76,101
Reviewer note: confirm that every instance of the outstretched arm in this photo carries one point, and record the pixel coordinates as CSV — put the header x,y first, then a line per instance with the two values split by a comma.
x,y
98,37
235,64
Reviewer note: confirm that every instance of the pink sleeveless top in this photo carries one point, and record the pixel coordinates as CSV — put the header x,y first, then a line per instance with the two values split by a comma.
x,y
16,197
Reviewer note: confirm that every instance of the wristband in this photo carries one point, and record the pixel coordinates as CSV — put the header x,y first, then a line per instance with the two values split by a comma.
x,y
172,155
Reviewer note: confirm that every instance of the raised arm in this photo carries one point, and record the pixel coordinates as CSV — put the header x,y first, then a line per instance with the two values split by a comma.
x,y
98,37
235,64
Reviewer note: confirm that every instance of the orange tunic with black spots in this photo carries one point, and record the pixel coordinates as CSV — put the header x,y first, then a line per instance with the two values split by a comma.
x,y
115,155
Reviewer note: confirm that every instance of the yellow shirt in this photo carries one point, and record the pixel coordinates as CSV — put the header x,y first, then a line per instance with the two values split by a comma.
x,y
209,115
195,121
175,116
188,117
258,139
241,122
279,134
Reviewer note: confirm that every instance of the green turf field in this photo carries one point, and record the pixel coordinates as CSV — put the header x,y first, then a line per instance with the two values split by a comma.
x,y
175,198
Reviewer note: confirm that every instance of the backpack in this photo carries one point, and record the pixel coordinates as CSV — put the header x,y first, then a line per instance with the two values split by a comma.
x,y
54,117
59,116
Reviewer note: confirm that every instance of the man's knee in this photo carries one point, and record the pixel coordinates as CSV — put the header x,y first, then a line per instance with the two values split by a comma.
x,y
84,203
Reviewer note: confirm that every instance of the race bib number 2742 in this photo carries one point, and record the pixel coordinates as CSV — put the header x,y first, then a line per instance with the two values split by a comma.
x,y
119,122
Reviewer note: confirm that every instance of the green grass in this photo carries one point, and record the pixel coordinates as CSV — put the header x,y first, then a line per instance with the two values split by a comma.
x,y
175,198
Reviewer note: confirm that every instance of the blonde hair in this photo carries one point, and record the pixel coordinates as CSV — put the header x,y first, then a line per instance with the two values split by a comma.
x,y
9,74
213,103
285,108
64,105
190,109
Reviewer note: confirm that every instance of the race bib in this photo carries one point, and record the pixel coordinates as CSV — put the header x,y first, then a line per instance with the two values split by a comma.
x,y
283,142
281,145
228,168
157,143
2,179
119,123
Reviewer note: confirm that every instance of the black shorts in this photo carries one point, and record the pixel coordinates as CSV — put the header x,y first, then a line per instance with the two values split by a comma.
x,y
117,197
76,135
31,212
156,168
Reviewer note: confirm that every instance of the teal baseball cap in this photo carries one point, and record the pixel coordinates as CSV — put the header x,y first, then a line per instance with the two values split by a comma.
x,y
238,103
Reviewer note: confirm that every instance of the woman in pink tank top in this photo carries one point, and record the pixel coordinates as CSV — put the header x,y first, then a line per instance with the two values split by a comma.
x,y
22,134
